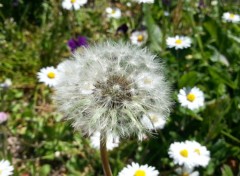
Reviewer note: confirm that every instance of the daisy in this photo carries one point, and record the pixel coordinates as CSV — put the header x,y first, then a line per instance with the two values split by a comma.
x,y
112,142
138,170
182,154
191,98
113,12
5,168
201,154
139,38
73,4
48,75
230,17
178,42
186,171
153,120
145,1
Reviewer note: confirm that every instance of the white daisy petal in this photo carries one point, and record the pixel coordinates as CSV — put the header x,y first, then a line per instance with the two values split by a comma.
x,y
113,12
5,168
73,4
135,169
153,120
48,75
178,42
191,98
230,17
112,141
139,38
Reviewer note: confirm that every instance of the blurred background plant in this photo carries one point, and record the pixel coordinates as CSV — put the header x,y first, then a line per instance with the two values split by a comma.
x,y
35,34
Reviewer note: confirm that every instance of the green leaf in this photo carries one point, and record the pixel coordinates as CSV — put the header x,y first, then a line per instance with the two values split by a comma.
x,y
189,79
226,171
45,170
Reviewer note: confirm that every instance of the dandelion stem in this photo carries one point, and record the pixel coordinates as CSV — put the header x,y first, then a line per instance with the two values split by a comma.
x,y
104,155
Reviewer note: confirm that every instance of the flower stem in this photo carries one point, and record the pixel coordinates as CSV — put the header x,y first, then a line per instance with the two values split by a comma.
x,y
104,155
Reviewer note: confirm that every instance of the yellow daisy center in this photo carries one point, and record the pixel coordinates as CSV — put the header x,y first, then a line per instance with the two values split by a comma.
x,y
147,81
178,41
185,174
191,97
140,173
231,15
51,75
113,11
197,151
140,38
184,153
73,1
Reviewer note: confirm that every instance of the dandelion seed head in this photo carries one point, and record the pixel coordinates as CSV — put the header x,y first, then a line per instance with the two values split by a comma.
x,y
110,94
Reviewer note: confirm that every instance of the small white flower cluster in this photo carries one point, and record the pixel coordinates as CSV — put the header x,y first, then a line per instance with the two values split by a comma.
x,y
135,169
189,154
139,37
178,42
191,98
6,168
113,12
49,76
112,141
6,84
73,4
230,17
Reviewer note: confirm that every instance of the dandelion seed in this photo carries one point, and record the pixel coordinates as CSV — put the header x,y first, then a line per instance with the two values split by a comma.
x,y
104,88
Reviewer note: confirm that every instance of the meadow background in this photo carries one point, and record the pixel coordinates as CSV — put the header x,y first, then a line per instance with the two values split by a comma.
x,y
34,34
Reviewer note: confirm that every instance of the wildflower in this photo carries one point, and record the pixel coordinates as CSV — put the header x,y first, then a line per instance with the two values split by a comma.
x,y
135,169
186,171
5,168
48,75
153,120
139,38
113,12
6,84
230,17
75,43
182,154
201,154
191,98
3,117
112,141
178,42
145,1
109,87
73,4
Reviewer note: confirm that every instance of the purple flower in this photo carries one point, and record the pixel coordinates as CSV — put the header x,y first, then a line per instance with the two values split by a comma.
x,y
74,43
3,117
